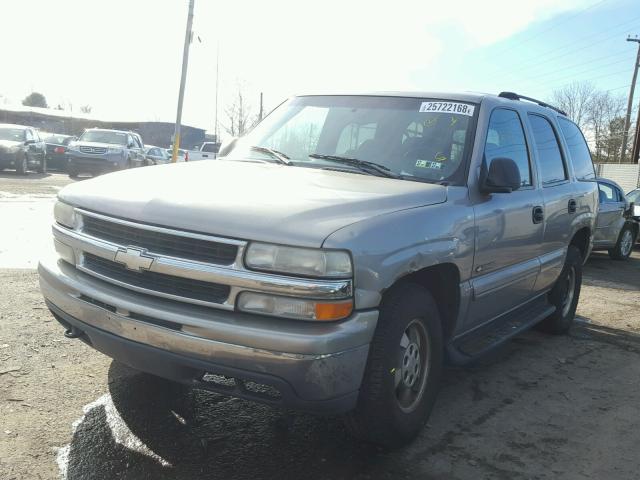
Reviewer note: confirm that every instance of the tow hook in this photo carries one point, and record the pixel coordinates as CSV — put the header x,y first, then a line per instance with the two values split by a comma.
x,y
73,332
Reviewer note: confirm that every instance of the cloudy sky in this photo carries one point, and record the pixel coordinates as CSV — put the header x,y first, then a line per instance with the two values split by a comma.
x,y
123,57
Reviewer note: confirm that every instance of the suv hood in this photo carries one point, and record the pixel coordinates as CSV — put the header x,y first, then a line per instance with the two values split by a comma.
x,y
252,201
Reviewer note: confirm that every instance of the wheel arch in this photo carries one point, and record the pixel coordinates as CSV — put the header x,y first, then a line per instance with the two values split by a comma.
x,y
443,282
582,240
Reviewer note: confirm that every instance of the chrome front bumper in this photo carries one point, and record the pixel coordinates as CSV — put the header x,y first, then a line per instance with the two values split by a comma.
x,y
316,366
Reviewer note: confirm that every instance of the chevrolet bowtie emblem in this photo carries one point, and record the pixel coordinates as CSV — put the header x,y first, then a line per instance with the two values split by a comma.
x,y
134,259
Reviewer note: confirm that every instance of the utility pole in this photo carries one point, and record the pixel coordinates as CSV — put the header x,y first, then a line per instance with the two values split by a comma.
x,y
215,128
635,153
261,111
627,118
183,81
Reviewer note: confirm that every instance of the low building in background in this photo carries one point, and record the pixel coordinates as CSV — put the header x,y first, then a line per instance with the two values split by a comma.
x,y
60,121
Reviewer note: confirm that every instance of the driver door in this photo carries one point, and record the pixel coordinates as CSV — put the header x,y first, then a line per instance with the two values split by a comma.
x,y
508,235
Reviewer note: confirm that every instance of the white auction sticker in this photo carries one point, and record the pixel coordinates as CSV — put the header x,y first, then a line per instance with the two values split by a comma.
x,y
448,107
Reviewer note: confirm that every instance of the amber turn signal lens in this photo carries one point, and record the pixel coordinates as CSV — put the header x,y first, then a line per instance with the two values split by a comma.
x,y
333,311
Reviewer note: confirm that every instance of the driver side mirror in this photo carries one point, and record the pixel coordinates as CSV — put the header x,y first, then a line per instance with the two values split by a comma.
x,y
502,176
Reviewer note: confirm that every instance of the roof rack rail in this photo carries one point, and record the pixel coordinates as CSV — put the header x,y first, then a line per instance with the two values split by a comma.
x,y
516,96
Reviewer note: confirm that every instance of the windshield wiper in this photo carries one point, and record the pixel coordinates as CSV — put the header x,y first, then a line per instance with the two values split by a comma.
x,y
363,165
278,156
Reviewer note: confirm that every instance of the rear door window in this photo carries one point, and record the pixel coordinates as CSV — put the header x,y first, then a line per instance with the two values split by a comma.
x,y
578,150
552,168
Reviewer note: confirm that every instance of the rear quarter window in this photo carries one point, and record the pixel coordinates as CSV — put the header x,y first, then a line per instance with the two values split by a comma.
x,y
578,150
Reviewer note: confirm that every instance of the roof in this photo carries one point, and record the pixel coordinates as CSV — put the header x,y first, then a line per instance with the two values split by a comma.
x,y
610,182
474,97
109,130
12,125
471,97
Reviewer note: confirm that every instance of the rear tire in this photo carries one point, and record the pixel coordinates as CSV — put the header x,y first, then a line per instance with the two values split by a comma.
x,y
565,295
624,245
403,370
21,165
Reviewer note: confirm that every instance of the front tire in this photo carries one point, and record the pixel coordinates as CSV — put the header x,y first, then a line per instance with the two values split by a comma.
x,y
565,295
403,370
624,245
21,165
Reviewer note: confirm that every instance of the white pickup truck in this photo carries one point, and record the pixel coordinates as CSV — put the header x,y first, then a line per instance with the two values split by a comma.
x,y
207,151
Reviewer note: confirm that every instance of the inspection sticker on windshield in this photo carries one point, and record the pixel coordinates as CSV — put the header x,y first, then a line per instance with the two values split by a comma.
x,y
448,107
428,164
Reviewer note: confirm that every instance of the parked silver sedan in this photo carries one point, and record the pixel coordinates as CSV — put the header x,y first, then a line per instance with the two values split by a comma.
x,y
616,229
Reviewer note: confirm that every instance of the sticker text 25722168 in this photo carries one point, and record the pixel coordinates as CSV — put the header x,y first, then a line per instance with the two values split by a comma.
x,y
448,107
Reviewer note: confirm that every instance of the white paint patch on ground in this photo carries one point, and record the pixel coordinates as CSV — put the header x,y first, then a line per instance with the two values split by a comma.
x,y
25,229
119,430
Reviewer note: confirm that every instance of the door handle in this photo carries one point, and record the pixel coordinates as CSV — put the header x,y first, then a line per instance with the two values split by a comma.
x,y
573,206
537,215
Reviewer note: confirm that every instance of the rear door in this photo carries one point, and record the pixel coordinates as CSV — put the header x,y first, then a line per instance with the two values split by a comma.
x,y
610,217
558,194
508,236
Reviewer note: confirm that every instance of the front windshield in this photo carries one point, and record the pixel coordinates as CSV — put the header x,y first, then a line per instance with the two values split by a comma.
x,y
104,136
12,134
634,196
418,139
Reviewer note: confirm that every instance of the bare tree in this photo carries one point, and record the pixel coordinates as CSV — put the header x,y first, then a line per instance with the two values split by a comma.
x,y
602,110
86,108
238,114
575,99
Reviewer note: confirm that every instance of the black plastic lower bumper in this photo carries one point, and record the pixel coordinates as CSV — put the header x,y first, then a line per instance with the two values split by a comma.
x,y
236,382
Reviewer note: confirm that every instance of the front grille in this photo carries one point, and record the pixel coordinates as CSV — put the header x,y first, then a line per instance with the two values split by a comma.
x,y
97,150
158,282
161,243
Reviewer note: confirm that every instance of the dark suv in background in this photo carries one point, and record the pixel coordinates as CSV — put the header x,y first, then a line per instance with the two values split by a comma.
x,y
100,151
21,148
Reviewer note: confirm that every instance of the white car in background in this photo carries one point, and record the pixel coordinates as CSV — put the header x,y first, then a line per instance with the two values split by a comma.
x,y
207,151
634,197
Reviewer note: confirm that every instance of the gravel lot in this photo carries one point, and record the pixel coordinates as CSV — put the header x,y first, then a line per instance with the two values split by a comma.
x,y
541,407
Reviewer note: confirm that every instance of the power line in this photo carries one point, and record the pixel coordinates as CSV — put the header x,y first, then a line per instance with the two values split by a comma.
x,y
581,64
576,74
554,85
527,64
555,25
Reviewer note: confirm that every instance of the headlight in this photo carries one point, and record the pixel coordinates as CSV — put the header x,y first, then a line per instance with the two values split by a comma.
x,y
313,262
296,308
115,150
65,214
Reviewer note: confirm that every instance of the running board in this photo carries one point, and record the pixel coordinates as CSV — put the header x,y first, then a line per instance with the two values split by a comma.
x,y
473,345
